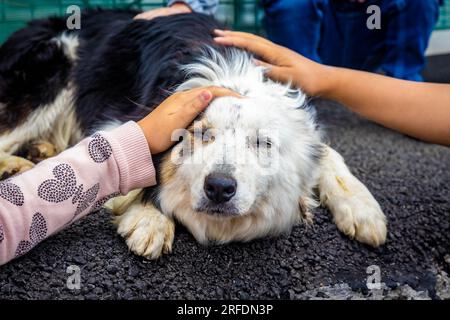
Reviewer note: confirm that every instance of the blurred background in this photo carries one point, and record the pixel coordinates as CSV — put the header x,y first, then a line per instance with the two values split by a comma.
x,y
239,14
243,15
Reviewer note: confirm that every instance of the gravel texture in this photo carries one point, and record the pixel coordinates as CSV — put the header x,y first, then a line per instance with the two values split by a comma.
x,y
437,69
409,178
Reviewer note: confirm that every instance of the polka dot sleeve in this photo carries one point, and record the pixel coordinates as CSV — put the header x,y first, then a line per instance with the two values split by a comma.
x,y
62,189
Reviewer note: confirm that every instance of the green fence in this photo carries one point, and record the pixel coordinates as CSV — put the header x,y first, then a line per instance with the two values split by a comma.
x,y
444,19
240,14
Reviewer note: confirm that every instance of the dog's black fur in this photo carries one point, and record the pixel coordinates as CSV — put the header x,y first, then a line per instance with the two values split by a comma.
x,y
124,67
32,70
136,62
121,63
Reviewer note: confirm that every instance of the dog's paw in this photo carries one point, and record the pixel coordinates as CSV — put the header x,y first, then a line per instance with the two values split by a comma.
x,y
305,205
148,232
355,211
358,215
40,150
11,165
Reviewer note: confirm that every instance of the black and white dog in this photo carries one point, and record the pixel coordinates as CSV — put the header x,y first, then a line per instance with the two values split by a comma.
x,y
255,161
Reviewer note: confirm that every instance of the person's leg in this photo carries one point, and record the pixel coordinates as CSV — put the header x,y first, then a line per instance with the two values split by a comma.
x,y
346,39
295,24
408,32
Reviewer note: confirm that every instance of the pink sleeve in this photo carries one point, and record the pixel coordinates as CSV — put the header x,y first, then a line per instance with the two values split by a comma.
x,y
62,189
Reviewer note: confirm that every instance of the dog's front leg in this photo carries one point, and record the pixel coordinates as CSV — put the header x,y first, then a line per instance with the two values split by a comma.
x,y
40,150
147,231
355,211
11,165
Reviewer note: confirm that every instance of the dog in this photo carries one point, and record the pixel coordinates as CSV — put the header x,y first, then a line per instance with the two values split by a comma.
x,y
246,168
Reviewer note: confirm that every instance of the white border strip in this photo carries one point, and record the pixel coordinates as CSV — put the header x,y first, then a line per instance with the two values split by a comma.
x,y
439,43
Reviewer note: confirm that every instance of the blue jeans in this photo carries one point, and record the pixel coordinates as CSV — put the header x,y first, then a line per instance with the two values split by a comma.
x,y
335,32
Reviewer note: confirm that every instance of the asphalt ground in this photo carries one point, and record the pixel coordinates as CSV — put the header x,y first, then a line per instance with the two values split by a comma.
x,y
409,178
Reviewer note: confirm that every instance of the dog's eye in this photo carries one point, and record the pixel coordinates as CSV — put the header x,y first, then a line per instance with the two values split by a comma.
x,y
263,142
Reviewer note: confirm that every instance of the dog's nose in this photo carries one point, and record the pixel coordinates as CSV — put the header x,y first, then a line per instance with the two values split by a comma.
x,y
219,187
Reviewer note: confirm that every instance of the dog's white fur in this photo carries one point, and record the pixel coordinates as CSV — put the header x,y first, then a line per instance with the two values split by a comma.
x,y
355,211
56,122
148,232
264,204
69,43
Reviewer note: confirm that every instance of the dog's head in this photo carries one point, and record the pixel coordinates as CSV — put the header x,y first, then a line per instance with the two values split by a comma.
x,y
243,166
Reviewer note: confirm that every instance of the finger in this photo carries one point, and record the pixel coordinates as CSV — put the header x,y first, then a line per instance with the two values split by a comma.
x,y
263,63
222,92
279,74
215,91
262,49
275,73
220,32
196,105
240,34
149,15
241,42
202,98
245,35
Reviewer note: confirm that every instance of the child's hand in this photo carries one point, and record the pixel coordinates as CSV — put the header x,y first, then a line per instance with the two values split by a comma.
x,y
177,112
283,64
176,8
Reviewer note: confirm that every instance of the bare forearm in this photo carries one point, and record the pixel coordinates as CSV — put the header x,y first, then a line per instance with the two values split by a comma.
x,y
421,110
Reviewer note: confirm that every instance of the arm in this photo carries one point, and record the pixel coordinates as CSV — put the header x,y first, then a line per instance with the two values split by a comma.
x,y
201,6
62,189
421,110
181,6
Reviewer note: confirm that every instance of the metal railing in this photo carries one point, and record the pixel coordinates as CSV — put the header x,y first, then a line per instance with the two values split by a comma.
x,y
444,18
239,14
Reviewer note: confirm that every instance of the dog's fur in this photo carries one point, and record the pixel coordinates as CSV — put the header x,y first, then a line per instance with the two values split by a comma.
x,y
58,86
